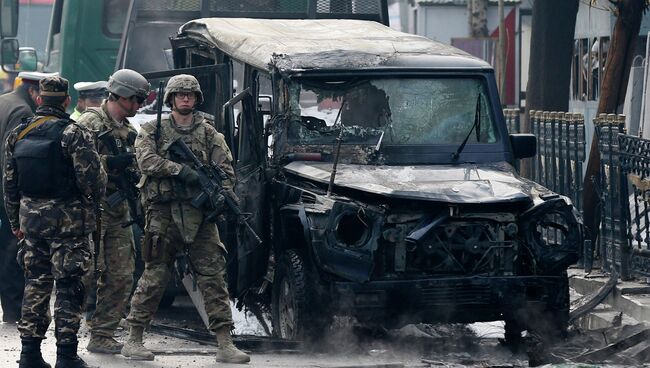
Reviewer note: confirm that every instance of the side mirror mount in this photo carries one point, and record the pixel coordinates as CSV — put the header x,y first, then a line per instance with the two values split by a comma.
x,y
8,18
524,145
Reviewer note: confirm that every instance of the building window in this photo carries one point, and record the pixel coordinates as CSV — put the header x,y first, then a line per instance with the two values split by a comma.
x,y
589,56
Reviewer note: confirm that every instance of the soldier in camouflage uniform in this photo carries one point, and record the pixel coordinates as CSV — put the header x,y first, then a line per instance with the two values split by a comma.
x,y
115,259
173,224
53,177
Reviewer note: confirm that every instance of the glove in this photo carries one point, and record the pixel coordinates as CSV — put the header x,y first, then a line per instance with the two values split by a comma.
x,y
188,175
120,162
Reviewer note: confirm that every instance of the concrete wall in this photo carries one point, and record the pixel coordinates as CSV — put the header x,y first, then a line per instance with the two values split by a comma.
x,y
442,23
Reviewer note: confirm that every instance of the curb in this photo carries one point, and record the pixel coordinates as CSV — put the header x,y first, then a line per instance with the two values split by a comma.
x,y
630,298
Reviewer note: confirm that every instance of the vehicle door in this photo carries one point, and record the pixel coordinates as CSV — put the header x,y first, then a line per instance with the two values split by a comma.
x,y
250,165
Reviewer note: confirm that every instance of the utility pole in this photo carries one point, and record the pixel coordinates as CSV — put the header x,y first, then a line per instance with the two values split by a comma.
x,y
477,18
501,57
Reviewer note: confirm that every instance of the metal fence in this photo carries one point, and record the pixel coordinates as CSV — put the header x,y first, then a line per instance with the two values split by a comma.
x,y
612,224
635,171
560,157
624,235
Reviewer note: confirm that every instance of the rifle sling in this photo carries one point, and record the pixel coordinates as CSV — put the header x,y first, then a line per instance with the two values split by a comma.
x,y
33,125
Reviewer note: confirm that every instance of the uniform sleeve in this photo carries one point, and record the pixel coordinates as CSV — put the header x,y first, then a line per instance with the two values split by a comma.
x,y
92,122
79,144
10,182
223,158
149,161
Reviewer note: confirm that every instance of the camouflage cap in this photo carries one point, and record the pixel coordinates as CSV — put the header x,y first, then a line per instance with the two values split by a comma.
x,y
54,86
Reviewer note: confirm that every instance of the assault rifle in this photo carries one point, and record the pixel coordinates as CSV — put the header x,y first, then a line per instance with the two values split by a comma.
x,y
126,185
211,178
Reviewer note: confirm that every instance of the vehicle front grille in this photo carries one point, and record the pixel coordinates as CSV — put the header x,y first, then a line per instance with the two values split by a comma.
x,y
455,295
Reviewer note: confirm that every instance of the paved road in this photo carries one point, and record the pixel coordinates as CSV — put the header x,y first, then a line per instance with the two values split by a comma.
x,y
10,350
343,349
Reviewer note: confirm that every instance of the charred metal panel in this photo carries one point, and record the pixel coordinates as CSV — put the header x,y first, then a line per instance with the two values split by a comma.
x,y
444,183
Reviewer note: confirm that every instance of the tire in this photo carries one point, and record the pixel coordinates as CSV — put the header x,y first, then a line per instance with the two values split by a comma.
x,y
552,322
295,312
512,335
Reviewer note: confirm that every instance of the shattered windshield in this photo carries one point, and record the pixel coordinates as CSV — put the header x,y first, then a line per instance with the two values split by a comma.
x,y
391,111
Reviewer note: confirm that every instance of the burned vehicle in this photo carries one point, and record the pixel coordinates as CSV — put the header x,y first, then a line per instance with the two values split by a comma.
x,y
377,169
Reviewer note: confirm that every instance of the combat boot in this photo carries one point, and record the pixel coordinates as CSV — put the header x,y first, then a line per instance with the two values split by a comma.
x,y
134,348
66,356
30,355
103,344
227,352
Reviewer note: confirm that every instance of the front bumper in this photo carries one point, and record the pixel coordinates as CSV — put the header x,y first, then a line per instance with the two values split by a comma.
x,y
458,299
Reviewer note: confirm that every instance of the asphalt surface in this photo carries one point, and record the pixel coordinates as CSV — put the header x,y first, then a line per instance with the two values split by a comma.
x,y
453,345
407,347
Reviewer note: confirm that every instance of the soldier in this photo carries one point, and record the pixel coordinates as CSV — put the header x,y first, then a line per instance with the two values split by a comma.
x,y
90,94
115,258
52,180
173,224
14,107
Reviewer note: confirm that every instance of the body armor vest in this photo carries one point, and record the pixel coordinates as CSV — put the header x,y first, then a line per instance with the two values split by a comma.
x,y
43,171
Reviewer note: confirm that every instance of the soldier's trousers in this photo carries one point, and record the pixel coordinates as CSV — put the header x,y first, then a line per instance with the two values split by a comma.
x,y
162,242
46,261
116,264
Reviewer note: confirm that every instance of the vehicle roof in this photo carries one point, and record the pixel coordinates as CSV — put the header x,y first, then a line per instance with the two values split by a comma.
x,y
311,44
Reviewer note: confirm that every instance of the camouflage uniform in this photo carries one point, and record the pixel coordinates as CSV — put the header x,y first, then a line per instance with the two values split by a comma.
x,y
172,223
115,259
56,246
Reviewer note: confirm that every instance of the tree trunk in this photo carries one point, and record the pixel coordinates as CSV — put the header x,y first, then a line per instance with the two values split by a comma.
x,y
612,96
477,13
549,74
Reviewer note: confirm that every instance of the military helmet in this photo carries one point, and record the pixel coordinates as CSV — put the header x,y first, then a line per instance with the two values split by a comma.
x,y
127,83
183,83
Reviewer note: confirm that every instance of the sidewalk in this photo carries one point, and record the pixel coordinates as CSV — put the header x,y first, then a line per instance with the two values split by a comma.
x,y
628,297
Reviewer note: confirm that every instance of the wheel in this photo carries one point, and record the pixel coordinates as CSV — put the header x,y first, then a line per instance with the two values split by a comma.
x,y
512,336
551,323
295,312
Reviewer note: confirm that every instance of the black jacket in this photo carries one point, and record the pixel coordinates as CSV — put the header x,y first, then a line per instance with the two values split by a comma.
x,y
14,106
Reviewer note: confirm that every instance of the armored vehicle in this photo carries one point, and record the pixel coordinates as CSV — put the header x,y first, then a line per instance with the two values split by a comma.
x,y
378,171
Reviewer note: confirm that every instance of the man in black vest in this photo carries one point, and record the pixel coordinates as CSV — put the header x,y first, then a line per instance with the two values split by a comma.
x,y
53,182
14,107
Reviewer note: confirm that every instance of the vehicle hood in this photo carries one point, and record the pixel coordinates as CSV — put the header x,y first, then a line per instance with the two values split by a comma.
x,y
463,184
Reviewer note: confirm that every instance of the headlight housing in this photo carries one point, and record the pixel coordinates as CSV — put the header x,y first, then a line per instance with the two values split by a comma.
x,y
553,234
352,227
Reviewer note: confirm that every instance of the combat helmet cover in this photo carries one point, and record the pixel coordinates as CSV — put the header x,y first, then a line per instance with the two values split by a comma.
x,y
127,83
183,83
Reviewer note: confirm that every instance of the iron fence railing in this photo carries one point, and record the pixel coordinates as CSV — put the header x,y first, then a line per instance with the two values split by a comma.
x,y
512,120
634,162
560,152
612,224
623,241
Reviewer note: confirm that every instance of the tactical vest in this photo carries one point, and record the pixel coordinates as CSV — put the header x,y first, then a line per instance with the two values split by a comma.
x,y
161,190
42,169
